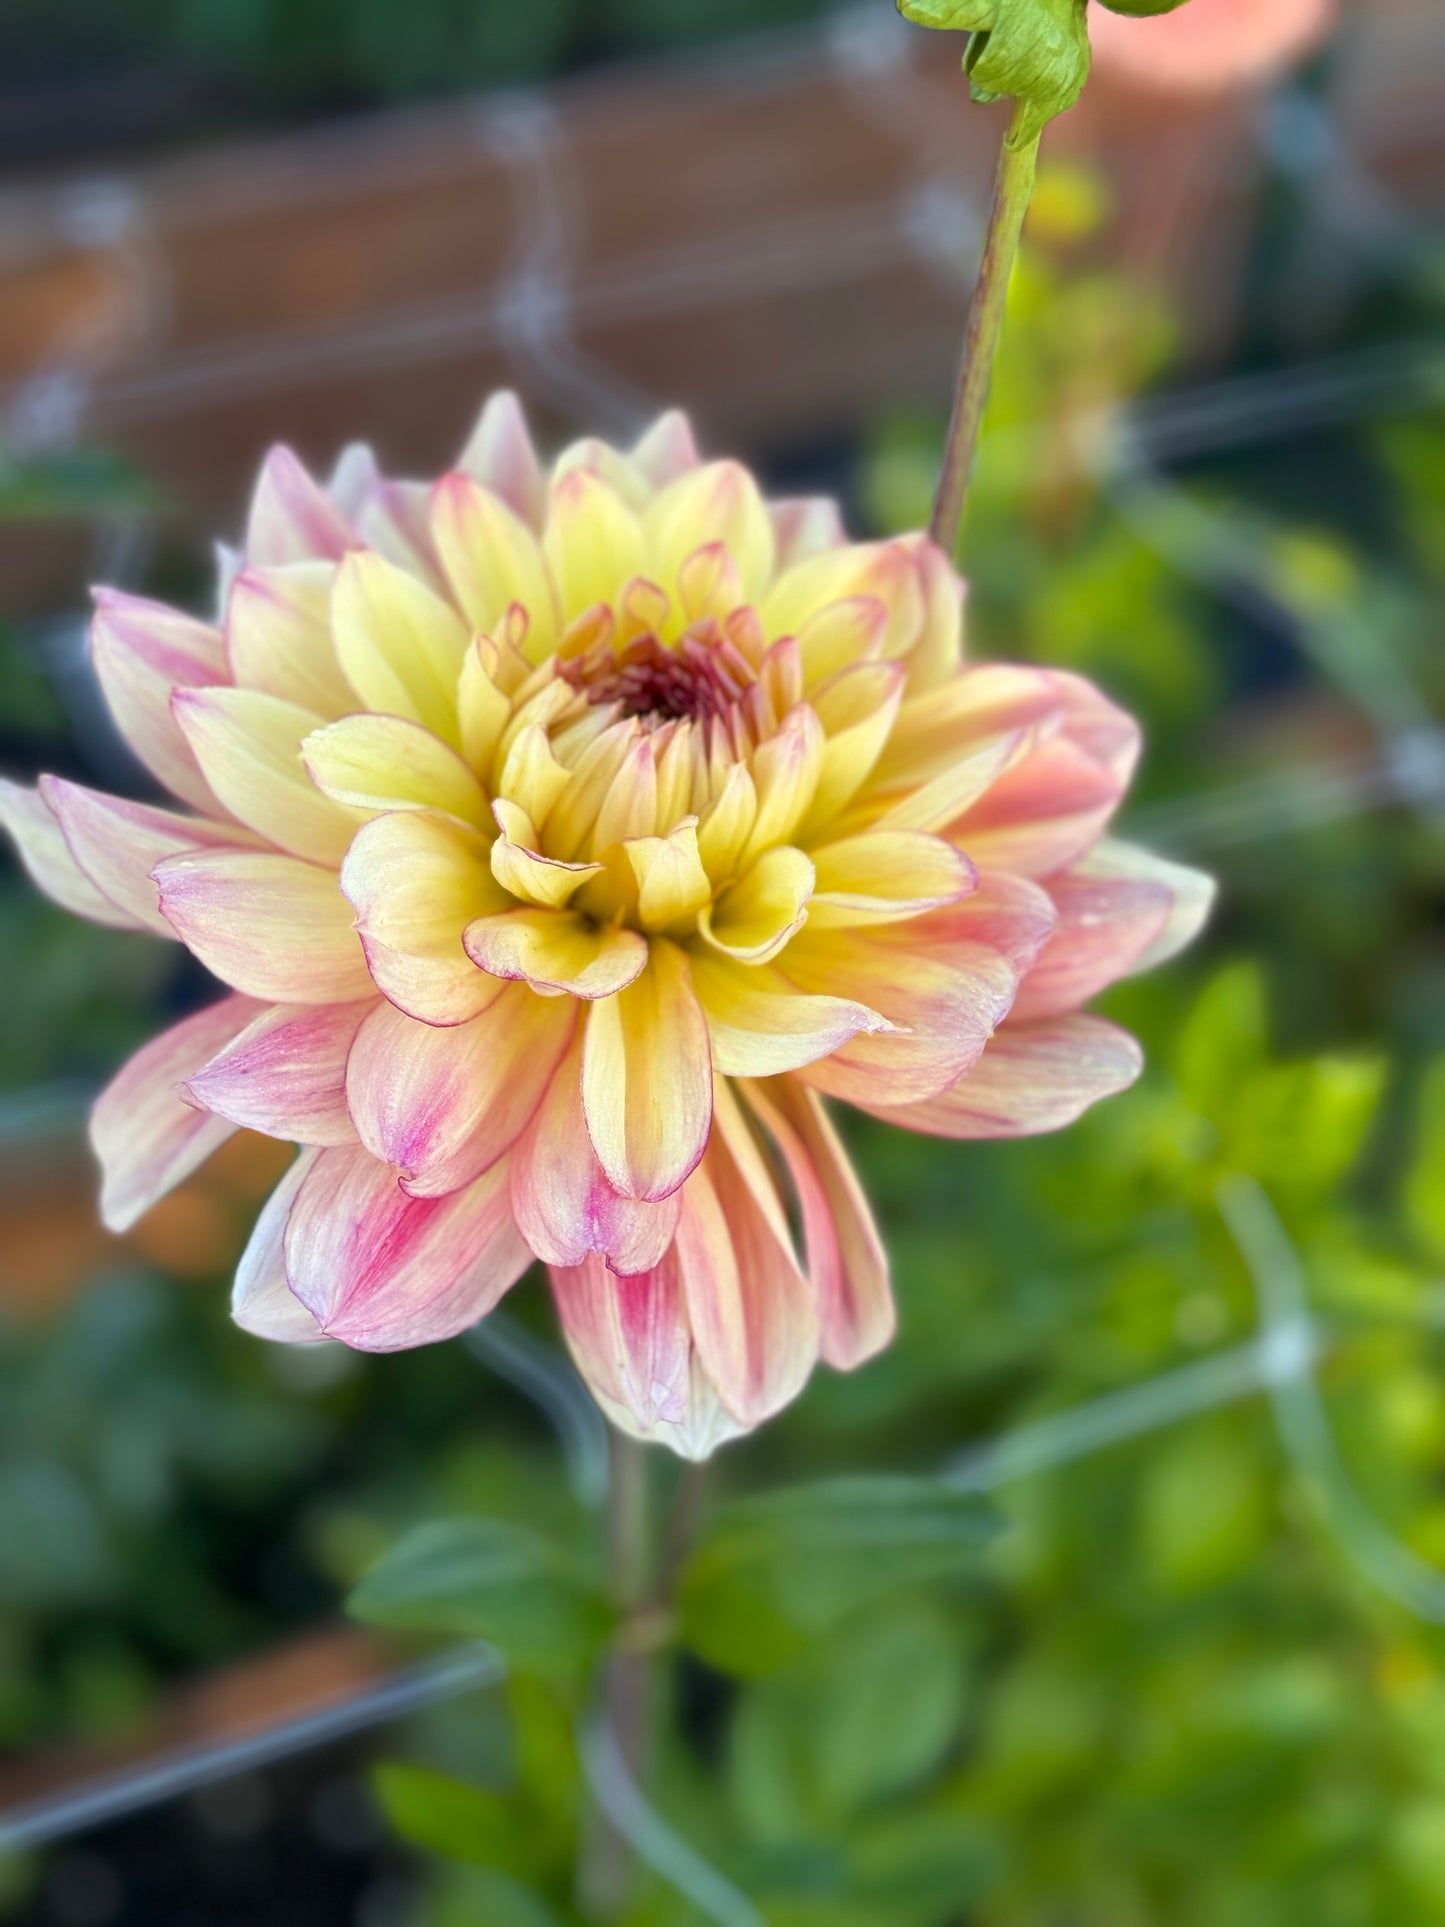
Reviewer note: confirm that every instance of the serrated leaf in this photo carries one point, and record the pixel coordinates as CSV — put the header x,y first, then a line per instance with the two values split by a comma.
x,y
488,1579
777,1571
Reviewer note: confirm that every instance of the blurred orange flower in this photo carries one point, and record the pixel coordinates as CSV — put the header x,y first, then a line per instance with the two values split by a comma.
x,y
1209,46
565,838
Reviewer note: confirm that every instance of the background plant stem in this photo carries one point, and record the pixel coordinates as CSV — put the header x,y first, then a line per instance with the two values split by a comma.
x,y
1013,185
607,1872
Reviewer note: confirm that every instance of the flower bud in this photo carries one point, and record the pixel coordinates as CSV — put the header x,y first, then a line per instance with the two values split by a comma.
x,y
1033,51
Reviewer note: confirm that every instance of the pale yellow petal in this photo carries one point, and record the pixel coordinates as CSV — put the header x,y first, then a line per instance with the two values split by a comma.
x,y
400,645
672,885
249,748
755,917
594,542
492,560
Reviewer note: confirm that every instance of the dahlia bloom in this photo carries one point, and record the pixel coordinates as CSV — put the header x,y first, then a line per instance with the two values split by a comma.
x,y
1209,46
563,840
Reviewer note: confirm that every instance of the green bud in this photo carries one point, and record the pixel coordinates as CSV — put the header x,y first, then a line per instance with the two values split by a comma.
x,y
1138,8
1033,51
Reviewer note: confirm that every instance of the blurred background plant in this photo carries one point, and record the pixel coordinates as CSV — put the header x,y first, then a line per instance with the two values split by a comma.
x,y
1166,1645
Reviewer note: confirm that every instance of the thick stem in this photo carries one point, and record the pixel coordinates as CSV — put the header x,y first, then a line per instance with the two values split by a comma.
x,y
606,1873
1013,185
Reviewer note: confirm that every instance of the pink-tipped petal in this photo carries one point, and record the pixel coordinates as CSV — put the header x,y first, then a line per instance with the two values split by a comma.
x,y
666,449
262,1302
50,862
142,652
145,1135
444,1105
500,455
847,1264
1191,893
383,1271
278,637
118,844
292,518
752,1312
806,525
268,925
565,1207
1033,1078
285,1074
632,1343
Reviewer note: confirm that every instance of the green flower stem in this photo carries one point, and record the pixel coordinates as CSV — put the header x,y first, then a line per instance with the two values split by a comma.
x,y
1017,165
606,1875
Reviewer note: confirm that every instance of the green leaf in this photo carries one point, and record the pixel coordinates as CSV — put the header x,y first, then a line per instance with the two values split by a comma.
x,y
1141,9
864,1715
1032,51
777,1571
461,1821
1425,1181
488,1579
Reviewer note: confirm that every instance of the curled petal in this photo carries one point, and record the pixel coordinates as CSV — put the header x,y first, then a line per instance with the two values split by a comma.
x,y
754,918
142,651
672,884
414,880
145,1135
285,1073
647,1078
520,868
51,865
557,950
383,1271
268,925
262,1302
444,1105
1032,1078
119,843
564,1206
847,1265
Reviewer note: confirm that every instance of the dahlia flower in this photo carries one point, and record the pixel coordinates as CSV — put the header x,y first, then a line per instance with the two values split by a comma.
x,y
563,841
1209,46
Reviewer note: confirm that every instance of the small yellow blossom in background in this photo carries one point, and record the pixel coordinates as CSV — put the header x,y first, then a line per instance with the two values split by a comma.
x,y
564,839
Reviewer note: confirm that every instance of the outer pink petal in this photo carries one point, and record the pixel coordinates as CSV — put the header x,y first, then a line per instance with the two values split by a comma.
x,y
632,1342
262,1302
270,925
753,1316
1032,1078
146,1137
1106,924
50,863
382,1271
564,1205
847,1264
500,456
118,844
292,518
945,1008
285,1074
805,525
142,651
444,1105
666,449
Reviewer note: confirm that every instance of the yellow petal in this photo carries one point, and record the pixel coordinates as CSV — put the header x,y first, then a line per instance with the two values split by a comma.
x,y
557,951
594,542
755,918
531,777
278,636
761,1025
629,809
647,1078
718,503
249,748
574,815
492,559
841,634
399,644
376,763
483,709
672,885
886,876
726,824
786,769
857,708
